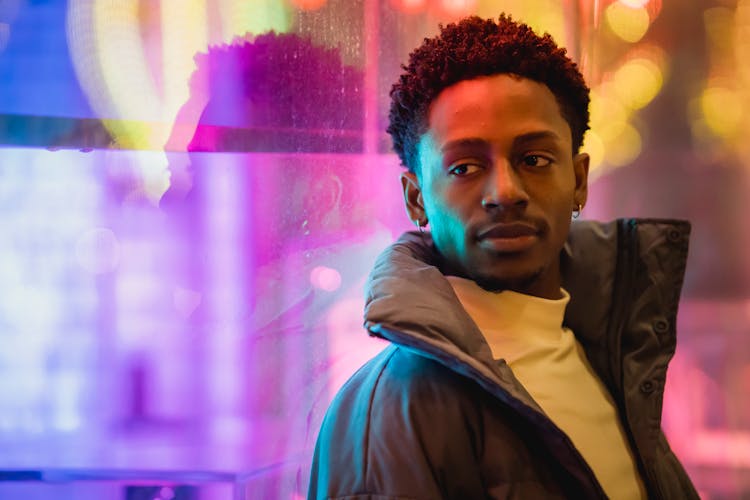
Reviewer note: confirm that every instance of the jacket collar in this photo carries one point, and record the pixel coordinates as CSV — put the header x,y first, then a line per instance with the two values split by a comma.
x,y
406,290
410,303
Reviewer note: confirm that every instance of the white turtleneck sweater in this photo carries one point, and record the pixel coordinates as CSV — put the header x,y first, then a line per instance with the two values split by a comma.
x,y
527,332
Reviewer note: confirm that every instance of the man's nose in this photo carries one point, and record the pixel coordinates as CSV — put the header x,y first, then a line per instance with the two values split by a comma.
x,y
505,187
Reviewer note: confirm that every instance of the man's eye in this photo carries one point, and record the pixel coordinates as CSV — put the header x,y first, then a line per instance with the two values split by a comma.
x,y
536,161
463,169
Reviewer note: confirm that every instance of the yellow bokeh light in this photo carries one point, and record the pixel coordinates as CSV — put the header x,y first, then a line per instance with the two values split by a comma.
x,y
612,140
109,56
637,82
593,145
126,75
239,17
183,33
624,148
109,47
628,23
608,116
135,73
722,110
542,15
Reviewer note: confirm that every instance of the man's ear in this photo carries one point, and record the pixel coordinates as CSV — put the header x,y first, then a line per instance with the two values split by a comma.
x,y
413,198
581,170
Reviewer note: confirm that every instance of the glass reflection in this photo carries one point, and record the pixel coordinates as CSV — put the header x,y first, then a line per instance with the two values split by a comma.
x,y
175,308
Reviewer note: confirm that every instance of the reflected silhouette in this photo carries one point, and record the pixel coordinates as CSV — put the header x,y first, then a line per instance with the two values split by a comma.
x,y
272,93
273,208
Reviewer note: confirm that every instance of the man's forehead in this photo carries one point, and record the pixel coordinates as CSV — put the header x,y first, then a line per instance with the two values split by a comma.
x,y
470,101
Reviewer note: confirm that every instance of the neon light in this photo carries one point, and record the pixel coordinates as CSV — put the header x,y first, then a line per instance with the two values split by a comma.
x,y
309,4
239,17
184,31
44,211
125,72
325,278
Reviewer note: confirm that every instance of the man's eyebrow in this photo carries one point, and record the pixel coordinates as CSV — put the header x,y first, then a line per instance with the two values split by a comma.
x,y
535,136
476,142
469,142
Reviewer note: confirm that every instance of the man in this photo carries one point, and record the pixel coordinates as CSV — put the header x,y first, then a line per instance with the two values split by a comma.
x,y
528,356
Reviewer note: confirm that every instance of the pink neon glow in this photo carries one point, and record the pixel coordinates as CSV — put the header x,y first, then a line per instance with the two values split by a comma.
x,y
410,6
459,7
209,333
325,278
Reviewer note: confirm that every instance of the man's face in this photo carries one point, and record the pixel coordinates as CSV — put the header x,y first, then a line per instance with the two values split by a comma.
x,y
498,182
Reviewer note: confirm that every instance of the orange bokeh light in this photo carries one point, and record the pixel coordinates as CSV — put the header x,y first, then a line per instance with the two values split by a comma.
x,y
409,6
458,7
309,4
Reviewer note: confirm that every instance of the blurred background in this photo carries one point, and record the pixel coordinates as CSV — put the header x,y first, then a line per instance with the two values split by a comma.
x,y
189,207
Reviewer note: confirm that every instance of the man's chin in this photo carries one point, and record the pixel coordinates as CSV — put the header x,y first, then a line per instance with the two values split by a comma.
x,y
521,283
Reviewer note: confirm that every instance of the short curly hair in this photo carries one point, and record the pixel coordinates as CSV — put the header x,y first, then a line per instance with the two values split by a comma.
x,y
475,47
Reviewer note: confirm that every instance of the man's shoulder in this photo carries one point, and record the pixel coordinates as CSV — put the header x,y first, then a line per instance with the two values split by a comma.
x,y
399,371
400,387
385,420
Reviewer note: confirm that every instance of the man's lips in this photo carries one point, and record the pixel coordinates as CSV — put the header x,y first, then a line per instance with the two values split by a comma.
x,y
508,237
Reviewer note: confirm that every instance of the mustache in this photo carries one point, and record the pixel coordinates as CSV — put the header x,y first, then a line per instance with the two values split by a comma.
x,y
509,227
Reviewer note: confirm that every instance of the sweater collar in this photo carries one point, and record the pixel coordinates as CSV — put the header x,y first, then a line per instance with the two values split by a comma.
x,y
511,315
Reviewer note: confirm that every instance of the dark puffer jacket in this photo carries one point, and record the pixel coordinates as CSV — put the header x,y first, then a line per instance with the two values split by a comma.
x,y
434,416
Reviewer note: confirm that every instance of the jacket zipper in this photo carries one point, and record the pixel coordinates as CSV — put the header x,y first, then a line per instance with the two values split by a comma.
x,y
627,243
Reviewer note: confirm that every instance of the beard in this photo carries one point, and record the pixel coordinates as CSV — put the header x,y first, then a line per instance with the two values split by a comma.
x,y
520,284
480,269
489,282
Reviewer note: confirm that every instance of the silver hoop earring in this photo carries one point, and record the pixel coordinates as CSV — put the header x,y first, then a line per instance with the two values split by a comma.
x,y
577,211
